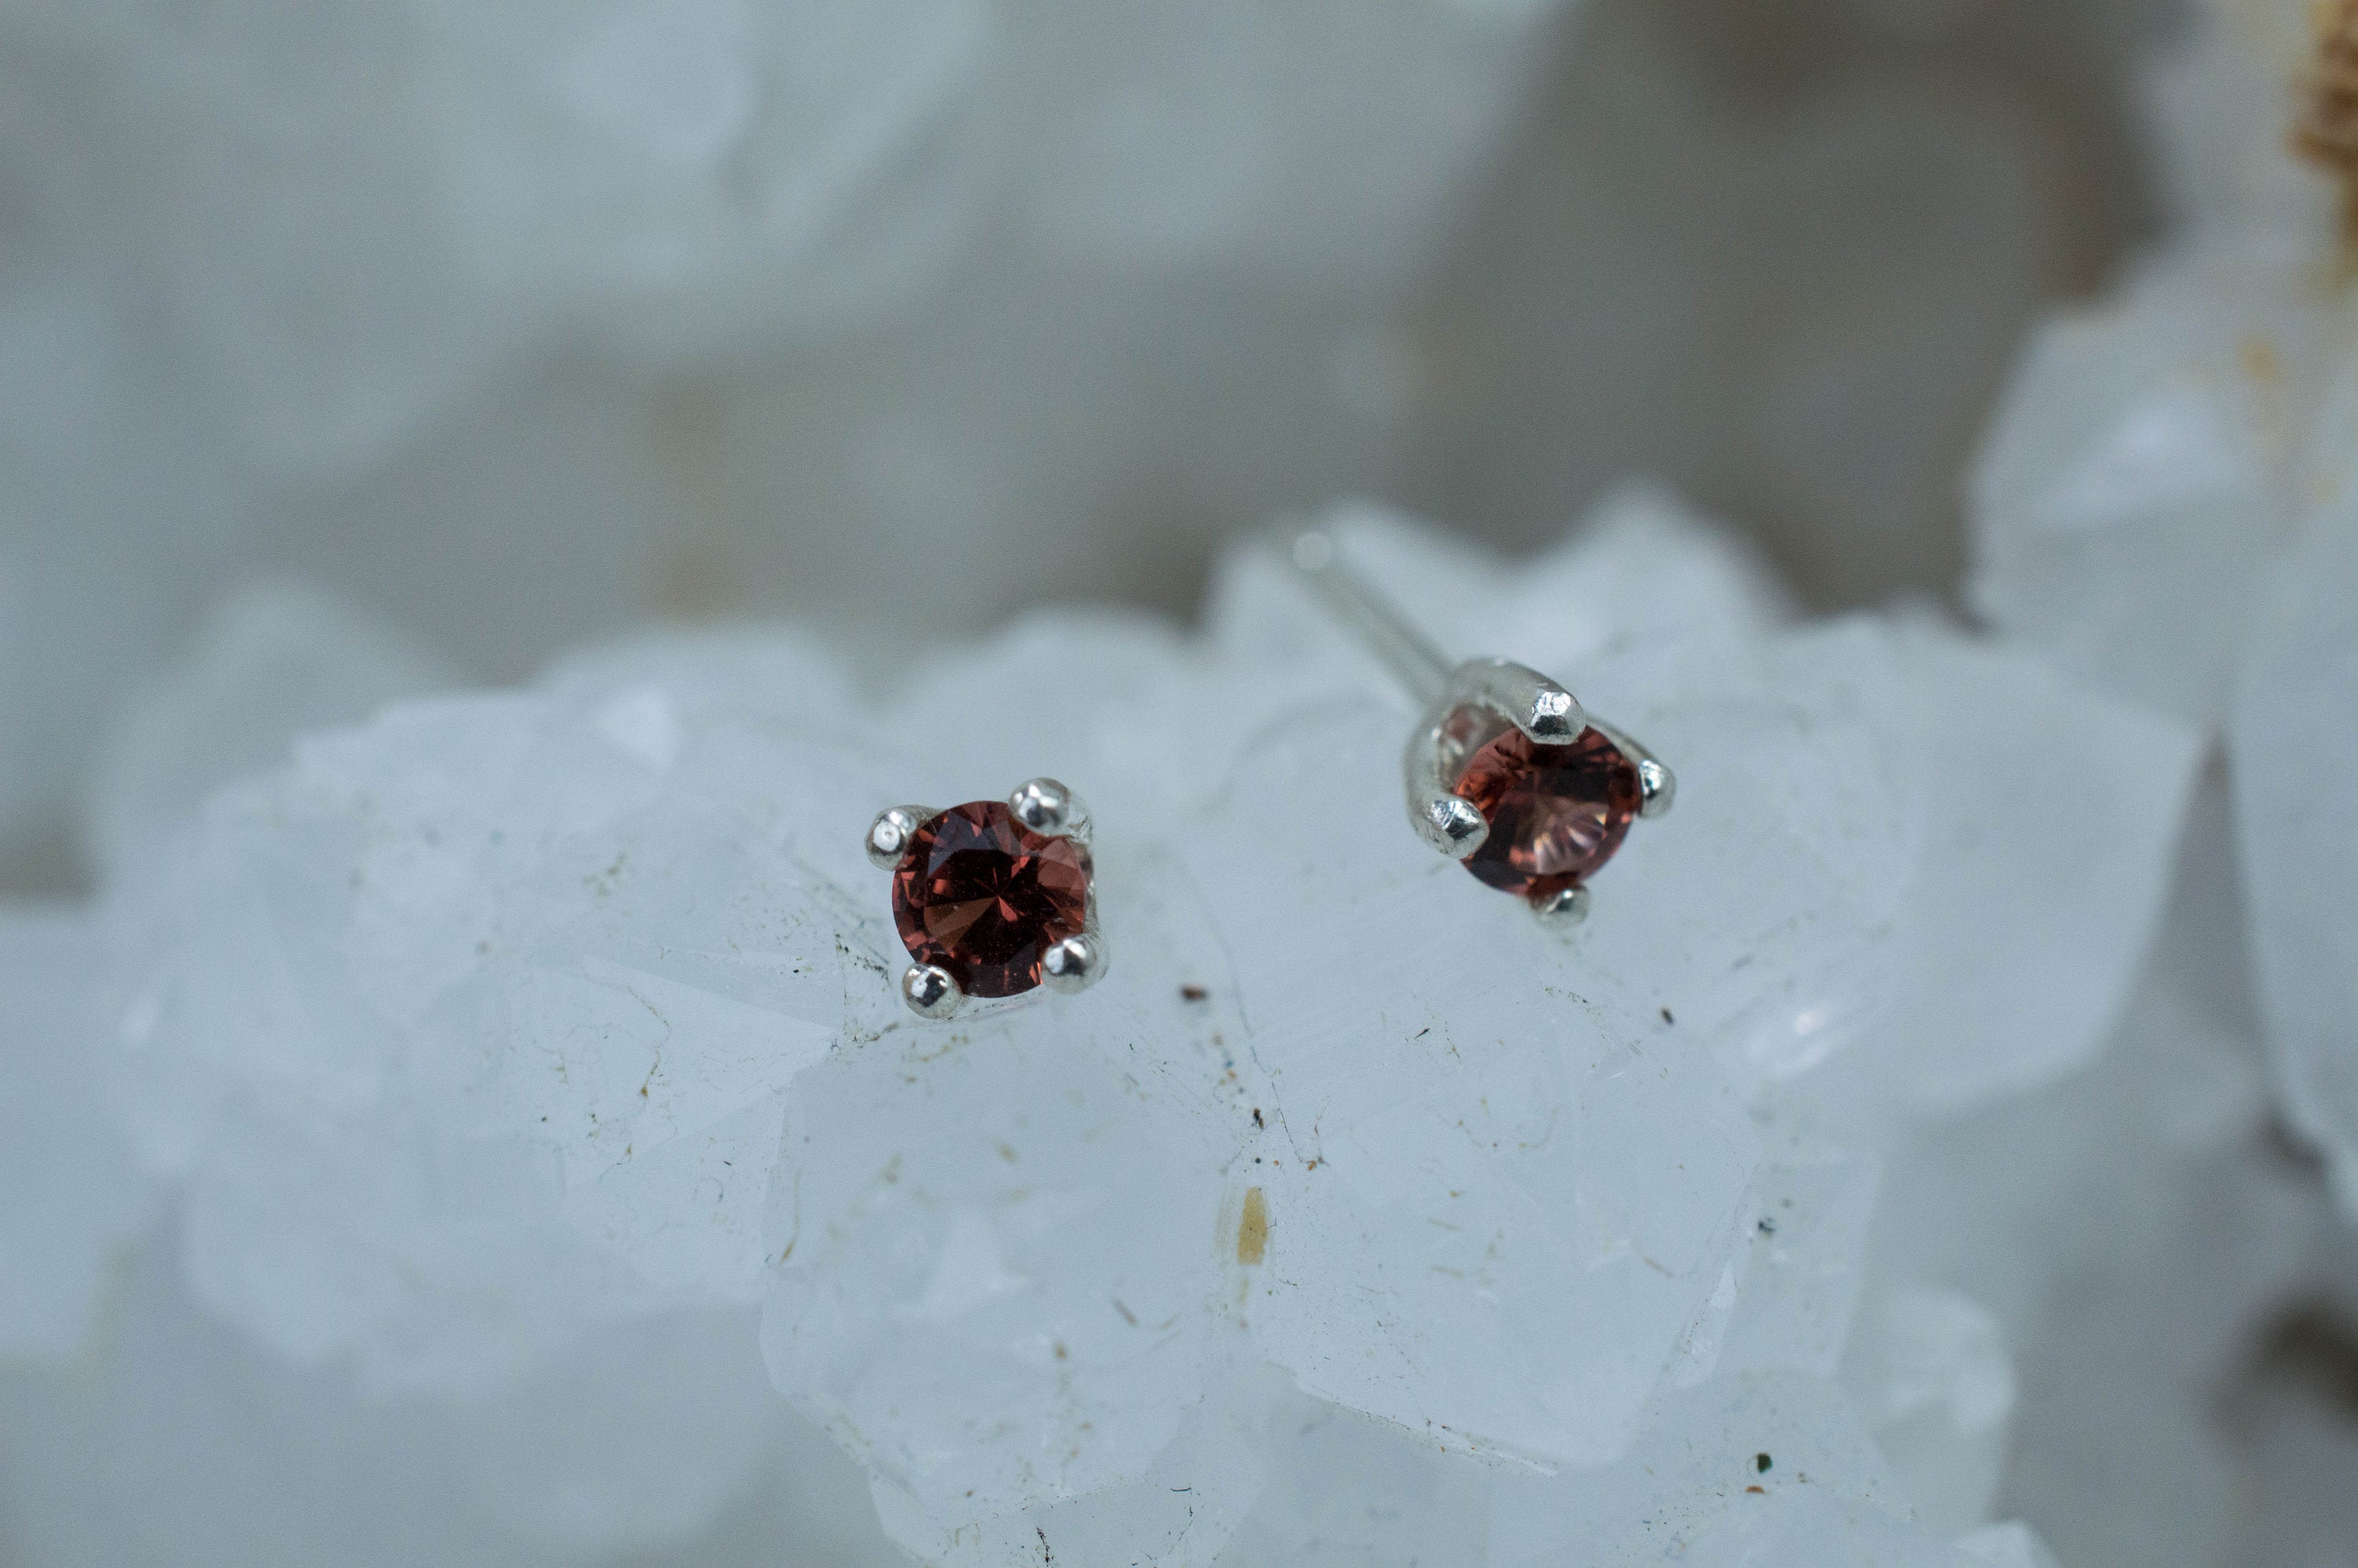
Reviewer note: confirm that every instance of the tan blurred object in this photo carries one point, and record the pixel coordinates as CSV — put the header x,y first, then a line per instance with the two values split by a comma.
x,y
2327,130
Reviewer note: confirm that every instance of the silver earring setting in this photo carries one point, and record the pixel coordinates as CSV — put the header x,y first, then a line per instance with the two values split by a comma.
x,y
992,898
1504,772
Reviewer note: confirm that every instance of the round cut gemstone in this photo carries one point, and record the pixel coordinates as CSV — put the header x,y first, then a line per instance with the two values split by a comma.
x,y
1556,813
984,897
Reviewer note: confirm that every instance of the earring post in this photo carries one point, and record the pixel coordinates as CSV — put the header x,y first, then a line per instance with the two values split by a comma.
x,y
1381,624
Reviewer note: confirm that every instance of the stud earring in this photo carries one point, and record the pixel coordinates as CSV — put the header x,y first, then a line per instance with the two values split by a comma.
x,y
1505,772
992,898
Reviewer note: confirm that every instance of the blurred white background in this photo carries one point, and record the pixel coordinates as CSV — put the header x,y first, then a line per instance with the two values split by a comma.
x,y
519,326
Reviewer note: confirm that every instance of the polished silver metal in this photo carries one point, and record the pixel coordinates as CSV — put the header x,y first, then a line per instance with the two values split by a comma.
x,y
1075,964
1535,705
930,991
889,835
1656,789
1049,808
1562,911
1655,786
1450,823
1434,759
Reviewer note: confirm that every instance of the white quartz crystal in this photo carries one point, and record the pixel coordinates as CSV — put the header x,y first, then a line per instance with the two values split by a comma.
x,y
724,165
276,659
997,1267
1347,1491
1754,1469
2136,476
2125,1228
505,973
2164,507
72,1199
1494,1185
2012,1545
504,1032
2216,99
1244,137
2025,924
361,219
364,213
1808,1211
2293,754
1928,1371
119,512
176,1440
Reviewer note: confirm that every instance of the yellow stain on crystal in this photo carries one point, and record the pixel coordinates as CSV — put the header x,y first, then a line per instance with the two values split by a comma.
x,y
1252,1231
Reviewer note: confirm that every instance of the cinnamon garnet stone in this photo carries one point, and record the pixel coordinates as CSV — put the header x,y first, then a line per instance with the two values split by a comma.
x,y
984,897
1556,813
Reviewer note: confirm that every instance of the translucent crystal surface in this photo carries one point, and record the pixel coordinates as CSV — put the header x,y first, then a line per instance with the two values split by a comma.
x,y
506,1048
2135,477
1693,1488
76,1198
276,660
2163,507
119,511
361,220
1928,1371
997,1278
2124,1244
1245,137
2292,753
2012,1545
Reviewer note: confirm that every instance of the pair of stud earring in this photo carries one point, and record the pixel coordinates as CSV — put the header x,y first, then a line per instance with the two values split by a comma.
x,y
1504,773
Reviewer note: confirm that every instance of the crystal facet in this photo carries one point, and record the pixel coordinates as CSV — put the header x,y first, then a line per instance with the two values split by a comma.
x,y
985,897
1556,813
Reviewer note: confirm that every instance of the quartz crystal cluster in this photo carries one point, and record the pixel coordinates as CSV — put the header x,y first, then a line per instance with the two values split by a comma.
x,y
508,1054
2167,505
480,1126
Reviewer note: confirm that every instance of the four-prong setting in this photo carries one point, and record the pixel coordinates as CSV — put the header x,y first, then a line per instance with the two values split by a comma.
x,y
1510,775
1506,771
992,899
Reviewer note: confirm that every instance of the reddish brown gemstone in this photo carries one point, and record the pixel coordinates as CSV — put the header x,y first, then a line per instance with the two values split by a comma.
x,y
1556,813
984,897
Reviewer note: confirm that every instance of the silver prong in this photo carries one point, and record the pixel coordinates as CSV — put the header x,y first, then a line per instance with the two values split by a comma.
x,y
1454,825
1562,911
1075,964
1656,788
889,836
930,991
1543,710
1048,808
